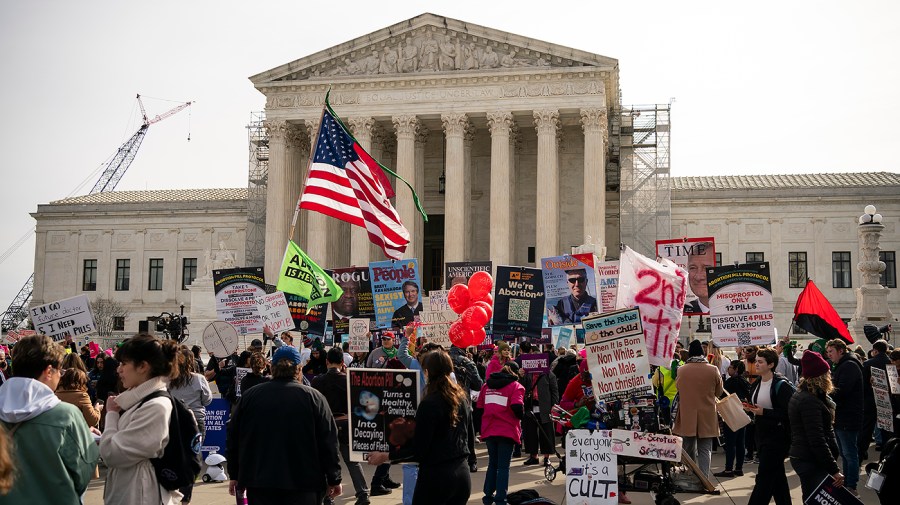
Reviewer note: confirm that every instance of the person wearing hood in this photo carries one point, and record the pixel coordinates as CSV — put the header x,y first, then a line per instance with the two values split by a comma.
x,y
565,368
699,384
503,398
770,397
53,449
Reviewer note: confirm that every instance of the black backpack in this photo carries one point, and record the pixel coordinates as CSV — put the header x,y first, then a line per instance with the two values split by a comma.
x,y
180,461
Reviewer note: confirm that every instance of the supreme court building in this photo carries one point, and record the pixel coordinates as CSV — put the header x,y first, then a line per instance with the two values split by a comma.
x,y
503,137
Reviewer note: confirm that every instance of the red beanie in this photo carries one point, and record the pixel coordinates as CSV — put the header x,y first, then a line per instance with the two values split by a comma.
x,y
812,365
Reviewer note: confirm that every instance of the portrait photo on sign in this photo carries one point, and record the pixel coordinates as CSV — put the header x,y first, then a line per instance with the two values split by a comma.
x,y
570,286
694,255
397,292
355,302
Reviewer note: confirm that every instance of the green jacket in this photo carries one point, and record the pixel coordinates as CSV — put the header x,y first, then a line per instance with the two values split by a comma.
x,y
55,456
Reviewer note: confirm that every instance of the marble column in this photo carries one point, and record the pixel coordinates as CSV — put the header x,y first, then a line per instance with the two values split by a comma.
x,y
501,240
407,126
418,238
359,239
455,198
468,175
594,125
282,191
379,152
317,229
296,167
547,224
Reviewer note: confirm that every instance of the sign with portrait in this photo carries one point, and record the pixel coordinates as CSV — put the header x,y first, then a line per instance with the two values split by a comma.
x,y
694,255
570,287
396,292
356,302
608,284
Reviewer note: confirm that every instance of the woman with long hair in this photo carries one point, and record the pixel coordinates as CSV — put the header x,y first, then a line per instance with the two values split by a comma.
x,y
814,448
137,427
193,389
72,389
256,376
441,437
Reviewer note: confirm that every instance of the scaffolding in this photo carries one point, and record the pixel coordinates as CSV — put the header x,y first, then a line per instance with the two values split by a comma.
x,y
639,169
255,245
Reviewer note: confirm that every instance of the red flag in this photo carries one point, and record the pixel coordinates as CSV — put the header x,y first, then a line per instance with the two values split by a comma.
x,y
815,314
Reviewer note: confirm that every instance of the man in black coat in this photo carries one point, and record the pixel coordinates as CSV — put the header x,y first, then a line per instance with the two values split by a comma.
x,y
847,377
302,468
879,360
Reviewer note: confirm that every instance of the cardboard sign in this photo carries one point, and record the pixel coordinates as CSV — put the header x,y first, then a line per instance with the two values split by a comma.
x,y
274,312
694,255
217,413
565,337
535,363
893,380
591,476
741,312
236,291
359,340
438,326
608,284
570,288
518,302
826,493
382,407
617,355
640,444
437,300
71,317
392,281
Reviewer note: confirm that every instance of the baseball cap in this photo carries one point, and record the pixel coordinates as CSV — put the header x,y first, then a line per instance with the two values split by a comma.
x,y
256,343
286,352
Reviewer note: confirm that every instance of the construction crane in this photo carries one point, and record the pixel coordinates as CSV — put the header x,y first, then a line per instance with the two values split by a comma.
x,y
112,174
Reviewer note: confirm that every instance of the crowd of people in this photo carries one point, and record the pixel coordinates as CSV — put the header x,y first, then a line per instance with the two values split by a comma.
x,y
66,410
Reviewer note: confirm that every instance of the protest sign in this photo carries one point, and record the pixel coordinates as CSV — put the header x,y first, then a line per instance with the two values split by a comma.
x,y
71,317
658,290
607,284
694,255
883,410
274,312
437,326
437,300
236,291
382,406
518,302
641,444
893,380
461,272
826,493
239,374
15,335
535,363
617,355
565,337
591,476
358,333
740,305
312,322
355,302
217,413
395,290
570,288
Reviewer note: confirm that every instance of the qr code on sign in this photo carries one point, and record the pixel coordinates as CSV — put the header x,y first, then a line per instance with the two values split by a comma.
x,y
743,338
519,309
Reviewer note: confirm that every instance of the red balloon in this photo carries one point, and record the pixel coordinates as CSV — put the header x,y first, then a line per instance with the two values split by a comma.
x,y
487,308
480,284
474,318
458,298
460,336
488,299
478,336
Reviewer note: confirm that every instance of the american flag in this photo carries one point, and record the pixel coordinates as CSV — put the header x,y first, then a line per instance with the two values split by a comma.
x,y
346,183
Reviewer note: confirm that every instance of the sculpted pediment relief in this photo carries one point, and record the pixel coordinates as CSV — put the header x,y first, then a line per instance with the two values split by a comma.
x,y
430,44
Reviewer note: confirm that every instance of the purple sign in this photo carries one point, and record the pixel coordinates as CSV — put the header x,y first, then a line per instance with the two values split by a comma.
x,y
536,363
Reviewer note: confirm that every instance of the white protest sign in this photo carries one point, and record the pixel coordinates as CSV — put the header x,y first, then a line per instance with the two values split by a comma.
x,y
437,327
437,300
893,380
359,329
646,445
591,476
274,312
71,316
883,408
239,374
617,355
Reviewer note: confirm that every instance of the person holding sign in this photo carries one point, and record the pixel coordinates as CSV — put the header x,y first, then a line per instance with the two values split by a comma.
x,y
813,444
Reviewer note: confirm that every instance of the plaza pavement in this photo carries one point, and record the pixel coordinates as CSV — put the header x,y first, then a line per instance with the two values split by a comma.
x,y
732,491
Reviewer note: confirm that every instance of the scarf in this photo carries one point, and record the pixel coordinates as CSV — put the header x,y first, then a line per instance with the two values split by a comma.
x,y
390,353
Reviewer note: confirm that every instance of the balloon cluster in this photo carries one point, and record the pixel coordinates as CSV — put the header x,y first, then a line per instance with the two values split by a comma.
x,y
474,304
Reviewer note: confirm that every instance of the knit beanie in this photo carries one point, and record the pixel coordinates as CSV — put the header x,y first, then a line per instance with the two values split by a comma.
x,y
695,349
812,365
502,346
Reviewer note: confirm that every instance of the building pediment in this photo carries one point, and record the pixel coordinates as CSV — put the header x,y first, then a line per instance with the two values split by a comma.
x,y
426,45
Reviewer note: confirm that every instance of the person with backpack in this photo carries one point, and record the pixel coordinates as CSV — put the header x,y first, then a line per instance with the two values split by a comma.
x,y
137,428
769,400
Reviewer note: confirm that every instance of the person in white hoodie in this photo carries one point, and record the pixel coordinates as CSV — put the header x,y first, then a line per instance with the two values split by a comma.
x,y
54,452
136,434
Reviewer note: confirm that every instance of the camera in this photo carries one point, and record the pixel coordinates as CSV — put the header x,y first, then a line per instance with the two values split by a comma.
x,y
172,326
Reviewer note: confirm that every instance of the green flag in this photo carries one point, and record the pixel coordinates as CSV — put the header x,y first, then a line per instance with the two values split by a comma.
x,y
302,277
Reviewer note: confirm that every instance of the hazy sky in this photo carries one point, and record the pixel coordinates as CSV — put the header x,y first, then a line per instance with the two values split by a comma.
x,y
762,87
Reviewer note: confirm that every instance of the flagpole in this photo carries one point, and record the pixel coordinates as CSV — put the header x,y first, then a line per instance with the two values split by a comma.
x,y
309,161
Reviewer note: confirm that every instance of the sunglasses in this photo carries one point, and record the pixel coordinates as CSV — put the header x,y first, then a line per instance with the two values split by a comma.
x,y
577,280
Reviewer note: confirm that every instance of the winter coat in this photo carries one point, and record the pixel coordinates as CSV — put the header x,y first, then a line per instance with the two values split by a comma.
x,y
847,377
435,442
82,401
378,358
772,426
465,370
699,384
544,387
53,450
881,361
196,396
498,397
739,386
565,369
132,438
812,437
494,365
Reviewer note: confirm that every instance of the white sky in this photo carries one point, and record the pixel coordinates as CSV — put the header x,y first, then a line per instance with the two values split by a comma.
x,y
761,87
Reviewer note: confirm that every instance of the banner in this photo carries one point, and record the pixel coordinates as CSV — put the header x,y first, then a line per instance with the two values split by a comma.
x,y
217,413
355,302
461,272
570,286
382,407
307,319
518,302
608,284
395,289
617,355
658,290
741,311
826,493
883,410
274,312
641,444
591,476
694,255
535,363
300,275
236,291
358,334
71,317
